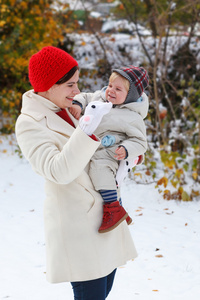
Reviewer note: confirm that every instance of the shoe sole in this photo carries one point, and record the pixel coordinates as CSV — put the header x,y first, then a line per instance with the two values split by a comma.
x,y
114,226
130,221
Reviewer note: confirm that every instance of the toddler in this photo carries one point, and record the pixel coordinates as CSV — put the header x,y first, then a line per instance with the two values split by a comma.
x,y
122,132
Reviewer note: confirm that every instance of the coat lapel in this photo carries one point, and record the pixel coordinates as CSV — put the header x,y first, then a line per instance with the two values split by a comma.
x,y
56,123
35,106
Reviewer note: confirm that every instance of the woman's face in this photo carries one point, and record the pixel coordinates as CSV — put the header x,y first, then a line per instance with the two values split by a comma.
x,y
116,91
62,94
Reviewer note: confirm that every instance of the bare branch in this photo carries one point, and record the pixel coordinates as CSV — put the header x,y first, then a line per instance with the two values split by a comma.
x,y
134,20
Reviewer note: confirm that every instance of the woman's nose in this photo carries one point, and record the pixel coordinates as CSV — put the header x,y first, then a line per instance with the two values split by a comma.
x,y
76,90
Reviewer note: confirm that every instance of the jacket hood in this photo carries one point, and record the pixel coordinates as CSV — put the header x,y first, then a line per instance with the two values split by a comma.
x,y
140,107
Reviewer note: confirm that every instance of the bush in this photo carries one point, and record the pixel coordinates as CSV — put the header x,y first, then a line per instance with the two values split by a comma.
x,y
25,27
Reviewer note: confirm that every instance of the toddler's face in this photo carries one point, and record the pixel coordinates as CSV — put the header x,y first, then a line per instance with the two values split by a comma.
x,y
116,91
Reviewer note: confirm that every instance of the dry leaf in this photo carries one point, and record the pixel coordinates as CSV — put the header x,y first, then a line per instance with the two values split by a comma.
x,y
148,173
138,174
159,255
185,196
195,175
195,193
163,181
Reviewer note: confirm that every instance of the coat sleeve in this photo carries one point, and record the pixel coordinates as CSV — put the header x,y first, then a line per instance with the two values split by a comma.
x,y
136,141
84,99
39,146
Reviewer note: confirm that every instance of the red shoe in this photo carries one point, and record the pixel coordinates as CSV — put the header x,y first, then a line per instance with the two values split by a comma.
x,y
113,215
129,220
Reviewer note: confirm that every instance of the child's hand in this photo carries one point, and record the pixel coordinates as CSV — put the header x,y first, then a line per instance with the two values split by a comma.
x,y
125,167
75,110
121,153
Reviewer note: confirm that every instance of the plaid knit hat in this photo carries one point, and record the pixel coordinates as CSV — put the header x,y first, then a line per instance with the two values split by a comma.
x,y
139,81
47,66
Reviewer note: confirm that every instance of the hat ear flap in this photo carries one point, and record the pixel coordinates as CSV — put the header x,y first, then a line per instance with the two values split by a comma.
x,y
132,95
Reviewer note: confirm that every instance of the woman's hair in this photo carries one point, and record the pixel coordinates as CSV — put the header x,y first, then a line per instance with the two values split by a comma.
x,y
125,81
67,76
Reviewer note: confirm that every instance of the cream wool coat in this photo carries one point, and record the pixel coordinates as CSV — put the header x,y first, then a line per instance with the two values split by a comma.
x,y
75,251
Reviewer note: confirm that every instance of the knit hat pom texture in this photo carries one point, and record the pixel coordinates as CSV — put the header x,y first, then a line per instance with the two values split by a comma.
x,y
47,66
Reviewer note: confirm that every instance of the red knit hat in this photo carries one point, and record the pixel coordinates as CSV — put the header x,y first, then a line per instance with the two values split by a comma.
x,y
47,66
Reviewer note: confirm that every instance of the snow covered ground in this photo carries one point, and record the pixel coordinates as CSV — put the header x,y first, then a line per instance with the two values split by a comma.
x,y
166,235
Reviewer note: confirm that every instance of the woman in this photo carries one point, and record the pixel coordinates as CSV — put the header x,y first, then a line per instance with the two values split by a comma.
x,y
59,149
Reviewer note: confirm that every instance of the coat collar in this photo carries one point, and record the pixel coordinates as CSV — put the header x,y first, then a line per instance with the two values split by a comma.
x,y
39,108
139,107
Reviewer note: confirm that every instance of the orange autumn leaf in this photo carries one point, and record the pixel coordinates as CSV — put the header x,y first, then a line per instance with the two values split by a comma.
x,y
195,193
163,181
167,194
138,174
148,173
194,175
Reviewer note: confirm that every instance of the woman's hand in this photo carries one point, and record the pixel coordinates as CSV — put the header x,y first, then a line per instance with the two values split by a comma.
x,y
93,115
75,110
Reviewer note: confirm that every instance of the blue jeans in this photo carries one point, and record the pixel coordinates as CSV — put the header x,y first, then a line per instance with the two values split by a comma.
x,y
97,289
